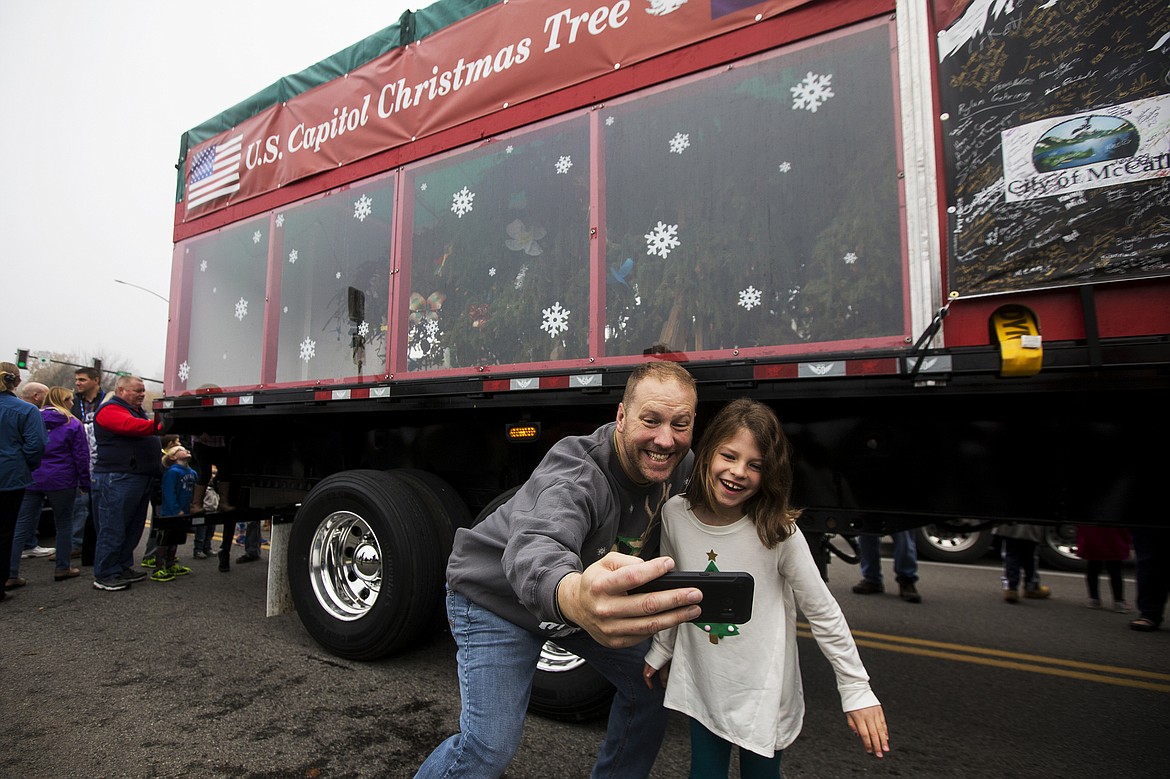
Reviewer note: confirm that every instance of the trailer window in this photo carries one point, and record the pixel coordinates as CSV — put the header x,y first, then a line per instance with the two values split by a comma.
x,y
499,254
332,258
224,277
757,205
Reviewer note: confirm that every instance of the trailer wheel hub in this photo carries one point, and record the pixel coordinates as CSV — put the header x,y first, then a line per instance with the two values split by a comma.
x,y
367,561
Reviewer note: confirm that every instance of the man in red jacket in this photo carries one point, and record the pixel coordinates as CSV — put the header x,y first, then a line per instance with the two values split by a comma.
x,y
127,464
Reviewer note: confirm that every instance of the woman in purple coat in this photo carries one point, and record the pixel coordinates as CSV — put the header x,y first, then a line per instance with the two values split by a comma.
x,y
63,469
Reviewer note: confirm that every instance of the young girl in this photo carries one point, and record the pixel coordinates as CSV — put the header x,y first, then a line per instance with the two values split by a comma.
x,y
740,684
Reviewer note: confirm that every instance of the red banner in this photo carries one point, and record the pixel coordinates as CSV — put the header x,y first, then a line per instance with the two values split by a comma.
x,y
506,54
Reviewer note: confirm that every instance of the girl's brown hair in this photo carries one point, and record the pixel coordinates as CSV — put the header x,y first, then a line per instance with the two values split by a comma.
x,y
61,398
769,508
9,376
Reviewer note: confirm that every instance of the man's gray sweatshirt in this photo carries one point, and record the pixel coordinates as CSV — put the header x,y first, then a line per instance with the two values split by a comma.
x,y
578,505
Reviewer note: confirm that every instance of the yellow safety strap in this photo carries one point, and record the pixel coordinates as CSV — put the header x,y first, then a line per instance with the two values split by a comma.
x,y
1017,331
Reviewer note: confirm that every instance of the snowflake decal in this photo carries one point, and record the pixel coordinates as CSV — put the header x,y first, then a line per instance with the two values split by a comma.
x,y
337,275
461,202
308,349
491,271
362,208
750,298
679,143
280,220
563,164
292,256
241,309
423,186
785,166
508,149
609,121
426,341
662,239
203,266
184,371
850,258
812,92
363,329
555,319
256,237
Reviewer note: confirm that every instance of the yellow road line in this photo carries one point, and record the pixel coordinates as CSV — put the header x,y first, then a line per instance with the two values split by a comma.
x,y
991,657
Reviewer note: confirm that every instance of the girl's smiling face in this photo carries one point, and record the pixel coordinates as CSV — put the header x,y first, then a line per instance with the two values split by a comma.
x,y
736,472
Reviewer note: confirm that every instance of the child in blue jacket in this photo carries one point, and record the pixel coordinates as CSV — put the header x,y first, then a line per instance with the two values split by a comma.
x,y
178,487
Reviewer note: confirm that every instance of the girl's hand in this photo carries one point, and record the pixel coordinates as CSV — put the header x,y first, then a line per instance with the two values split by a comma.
x,y
870,724
648,672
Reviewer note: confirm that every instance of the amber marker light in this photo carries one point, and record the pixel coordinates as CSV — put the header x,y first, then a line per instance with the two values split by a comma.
x,y
522,432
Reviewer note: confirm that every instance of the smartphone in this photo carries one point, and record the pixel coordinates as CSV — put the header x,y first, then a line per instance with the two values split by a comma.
x,y
727,595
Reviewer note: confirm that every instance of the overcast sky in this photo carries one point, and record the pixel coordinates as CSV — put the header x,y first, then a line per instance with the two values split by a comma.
x,y
95,97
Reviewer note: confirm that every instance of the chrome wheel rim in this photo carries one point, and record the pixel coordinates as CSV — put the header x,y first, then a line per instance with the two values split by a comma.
x,y
556,660
948,540
345,566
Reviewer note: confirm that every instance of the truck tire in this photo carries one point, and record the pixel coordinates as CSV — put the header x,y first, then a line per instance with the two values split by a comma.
x,y
565,687
447,509
365,563
1059,548
962,541
448,512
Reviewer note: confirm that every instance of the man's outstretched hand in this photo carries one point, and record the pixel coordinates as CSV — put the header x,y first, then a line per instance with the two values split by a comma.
x,y
597,600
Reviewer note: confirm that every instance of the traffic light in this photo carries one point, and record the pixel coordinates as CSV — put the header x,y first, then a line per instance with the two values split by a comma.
x,y
97,366
22,358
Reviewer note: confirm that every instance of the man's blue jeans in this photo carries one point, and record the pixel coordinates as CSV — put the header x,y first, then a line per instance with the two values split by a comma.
x,y
497,662
120,501
905,557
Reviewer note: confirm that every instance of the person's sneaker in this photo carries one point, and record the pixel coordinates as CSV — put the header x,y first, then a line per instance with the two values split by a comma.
x,y
1120,606
1040,591
199,555
162,575
1093,603
178,570
111,584
148,562
247,558
908,592
866,587
38,551
132,575
1011,596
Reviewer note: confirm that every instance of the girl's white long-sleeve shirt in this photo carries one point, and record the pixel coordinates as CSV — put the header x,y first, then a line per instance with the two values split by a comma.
x,y
742,682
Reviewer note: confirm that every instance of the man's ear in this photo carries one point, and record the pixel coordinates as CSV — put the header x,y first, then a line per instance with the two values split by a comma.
x,y
621,417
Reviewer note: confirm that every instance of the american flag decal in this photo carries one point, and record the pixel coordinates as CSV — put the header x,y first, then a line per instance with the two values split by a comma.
x,y
215,172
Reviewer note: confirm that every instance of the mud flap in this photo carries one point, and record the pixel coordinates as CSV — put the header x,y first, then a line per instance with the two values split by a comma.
x,y
279,596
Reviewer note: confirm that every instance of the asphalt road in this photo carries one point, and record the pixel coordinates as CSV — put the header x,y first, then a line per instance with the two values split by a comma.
x,y
189,678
